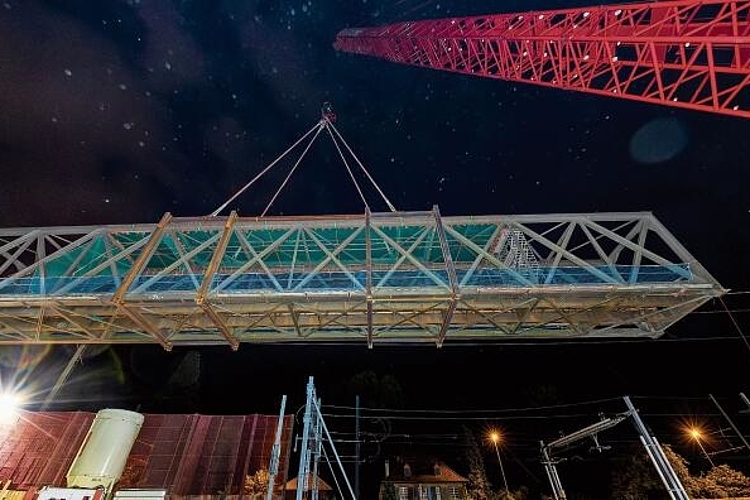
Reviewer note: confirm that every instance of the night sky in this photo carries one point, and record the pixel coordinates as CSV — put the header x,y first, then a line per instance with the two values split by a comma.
x,y
116,112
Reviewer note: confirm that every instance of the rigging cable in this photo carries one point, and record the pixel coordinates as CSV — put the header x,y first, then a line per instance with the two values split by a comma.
x,y
380,191
289,175
328,125
242,190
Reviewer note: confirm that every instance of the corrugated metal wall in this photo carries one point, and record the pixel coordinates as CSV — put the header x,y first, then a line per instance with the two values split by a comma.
x,y
186,454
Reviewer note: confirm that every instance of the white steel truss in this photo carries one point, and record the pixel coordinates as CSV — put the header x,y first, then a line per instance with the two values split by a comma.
x,y
372,277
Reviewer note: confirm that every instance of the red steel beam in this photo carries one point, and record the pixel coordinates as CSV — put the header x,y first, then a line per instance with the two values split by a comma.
x,y
686,53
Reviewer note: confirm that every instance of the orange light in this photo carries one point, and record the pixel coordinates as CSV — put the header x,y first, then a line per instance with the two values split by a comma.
x,y
494,436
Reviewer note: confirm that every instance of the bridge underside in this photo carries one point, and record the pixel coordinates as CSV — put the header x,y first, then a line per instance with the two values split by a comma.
x,y
371,278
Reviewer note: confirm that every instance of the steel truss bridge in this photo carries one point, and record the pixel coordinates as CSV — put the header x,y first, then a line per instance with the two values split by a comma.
x,y
372,277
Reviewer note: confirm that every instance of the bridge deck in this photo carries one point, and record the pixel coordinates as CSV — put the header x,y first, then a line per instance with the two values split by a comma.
x,y
405,276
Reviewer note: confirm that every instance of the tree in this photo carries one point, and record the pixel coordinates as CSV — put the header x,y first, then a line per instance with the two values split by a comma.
x,y
389,491
522,493
478,487
375,391
256,485
635,479
720,482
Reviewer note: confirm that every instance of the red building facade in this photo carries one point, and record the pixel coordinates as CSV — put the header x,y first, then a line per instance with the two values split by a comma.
x,y
185,454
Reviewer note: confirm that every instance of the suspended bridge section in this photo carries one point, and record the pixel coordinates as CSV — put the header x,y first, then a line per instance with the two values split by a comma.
x,y
374,278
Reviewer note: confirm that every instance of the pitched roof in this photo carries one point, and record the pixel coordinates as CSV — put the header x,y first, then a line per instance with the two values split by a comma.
x,y
426,473
322,485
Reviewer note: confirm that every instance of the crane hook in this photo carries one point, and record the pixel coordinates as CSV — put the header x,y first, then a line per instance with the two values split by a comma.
x,y
327,112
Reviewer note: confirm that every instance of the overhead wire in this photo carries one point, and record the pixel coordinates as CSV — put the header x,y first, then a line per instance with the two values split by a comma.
x,y
736,324
397,410
522,448
444,418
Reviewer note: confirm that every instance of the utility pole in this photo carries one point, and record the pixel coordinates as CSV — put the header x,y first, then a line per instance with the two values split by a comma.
x,y
655,452
273,468
305,453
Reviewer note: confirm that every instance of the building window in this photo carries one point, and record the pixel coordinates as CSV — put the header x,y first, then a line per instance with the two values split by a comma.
x,y
403,493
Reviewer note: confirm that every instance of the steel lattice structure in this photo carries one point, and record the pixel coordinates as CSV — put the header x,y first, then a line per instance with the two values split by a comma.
x,y
686,53
374,277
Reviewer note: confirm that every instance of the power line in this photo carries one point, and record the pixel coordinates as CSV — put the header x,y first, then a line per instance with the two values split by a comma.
x,y
736,325
546,407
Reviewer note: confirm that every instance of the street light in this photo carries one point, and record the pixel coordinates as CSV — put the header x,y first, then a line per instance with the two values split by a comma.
x,y
696,434
495,438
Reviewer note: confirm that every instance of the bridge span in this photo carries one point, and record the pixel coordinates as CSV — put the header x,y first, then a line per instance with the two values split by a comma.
x,y
371,278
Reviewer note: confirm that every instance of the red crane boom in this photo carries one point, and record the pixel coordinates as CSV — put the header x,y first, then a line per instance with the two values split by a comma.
x,y
686,53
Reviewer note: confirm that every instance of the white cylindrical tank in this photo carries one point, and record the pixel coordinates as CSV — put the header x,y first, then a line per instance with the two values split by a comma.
x,y
103,454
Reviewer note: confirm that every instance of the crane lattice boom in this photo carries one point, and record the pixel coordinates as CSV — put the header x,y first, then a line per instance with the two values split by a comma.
x,y
687,53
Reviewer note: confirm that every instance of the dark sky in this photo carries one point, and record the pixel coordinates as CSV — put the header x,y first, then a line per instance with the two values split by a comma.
x,y
117,112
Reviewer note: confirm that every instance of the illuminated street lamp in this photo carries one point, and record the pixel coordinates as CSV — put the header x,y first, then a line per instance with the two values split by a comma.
x,y
495,438
696,434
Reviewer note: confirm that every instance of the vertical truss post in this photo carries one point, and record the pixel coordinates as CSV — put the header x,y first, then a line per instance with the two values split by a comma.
x,y
41,254
656,453
273,466
451,270
368,271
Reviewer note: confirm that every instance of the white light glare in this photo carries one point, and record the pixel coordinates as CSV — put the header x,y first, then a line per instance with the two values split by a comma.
x,y
9,406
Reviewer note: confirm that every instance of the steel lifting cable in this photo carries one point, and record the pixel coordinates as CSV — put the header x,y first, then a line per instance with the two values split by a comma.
x,y
326,123
235,195
289,175
380,191
346,164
